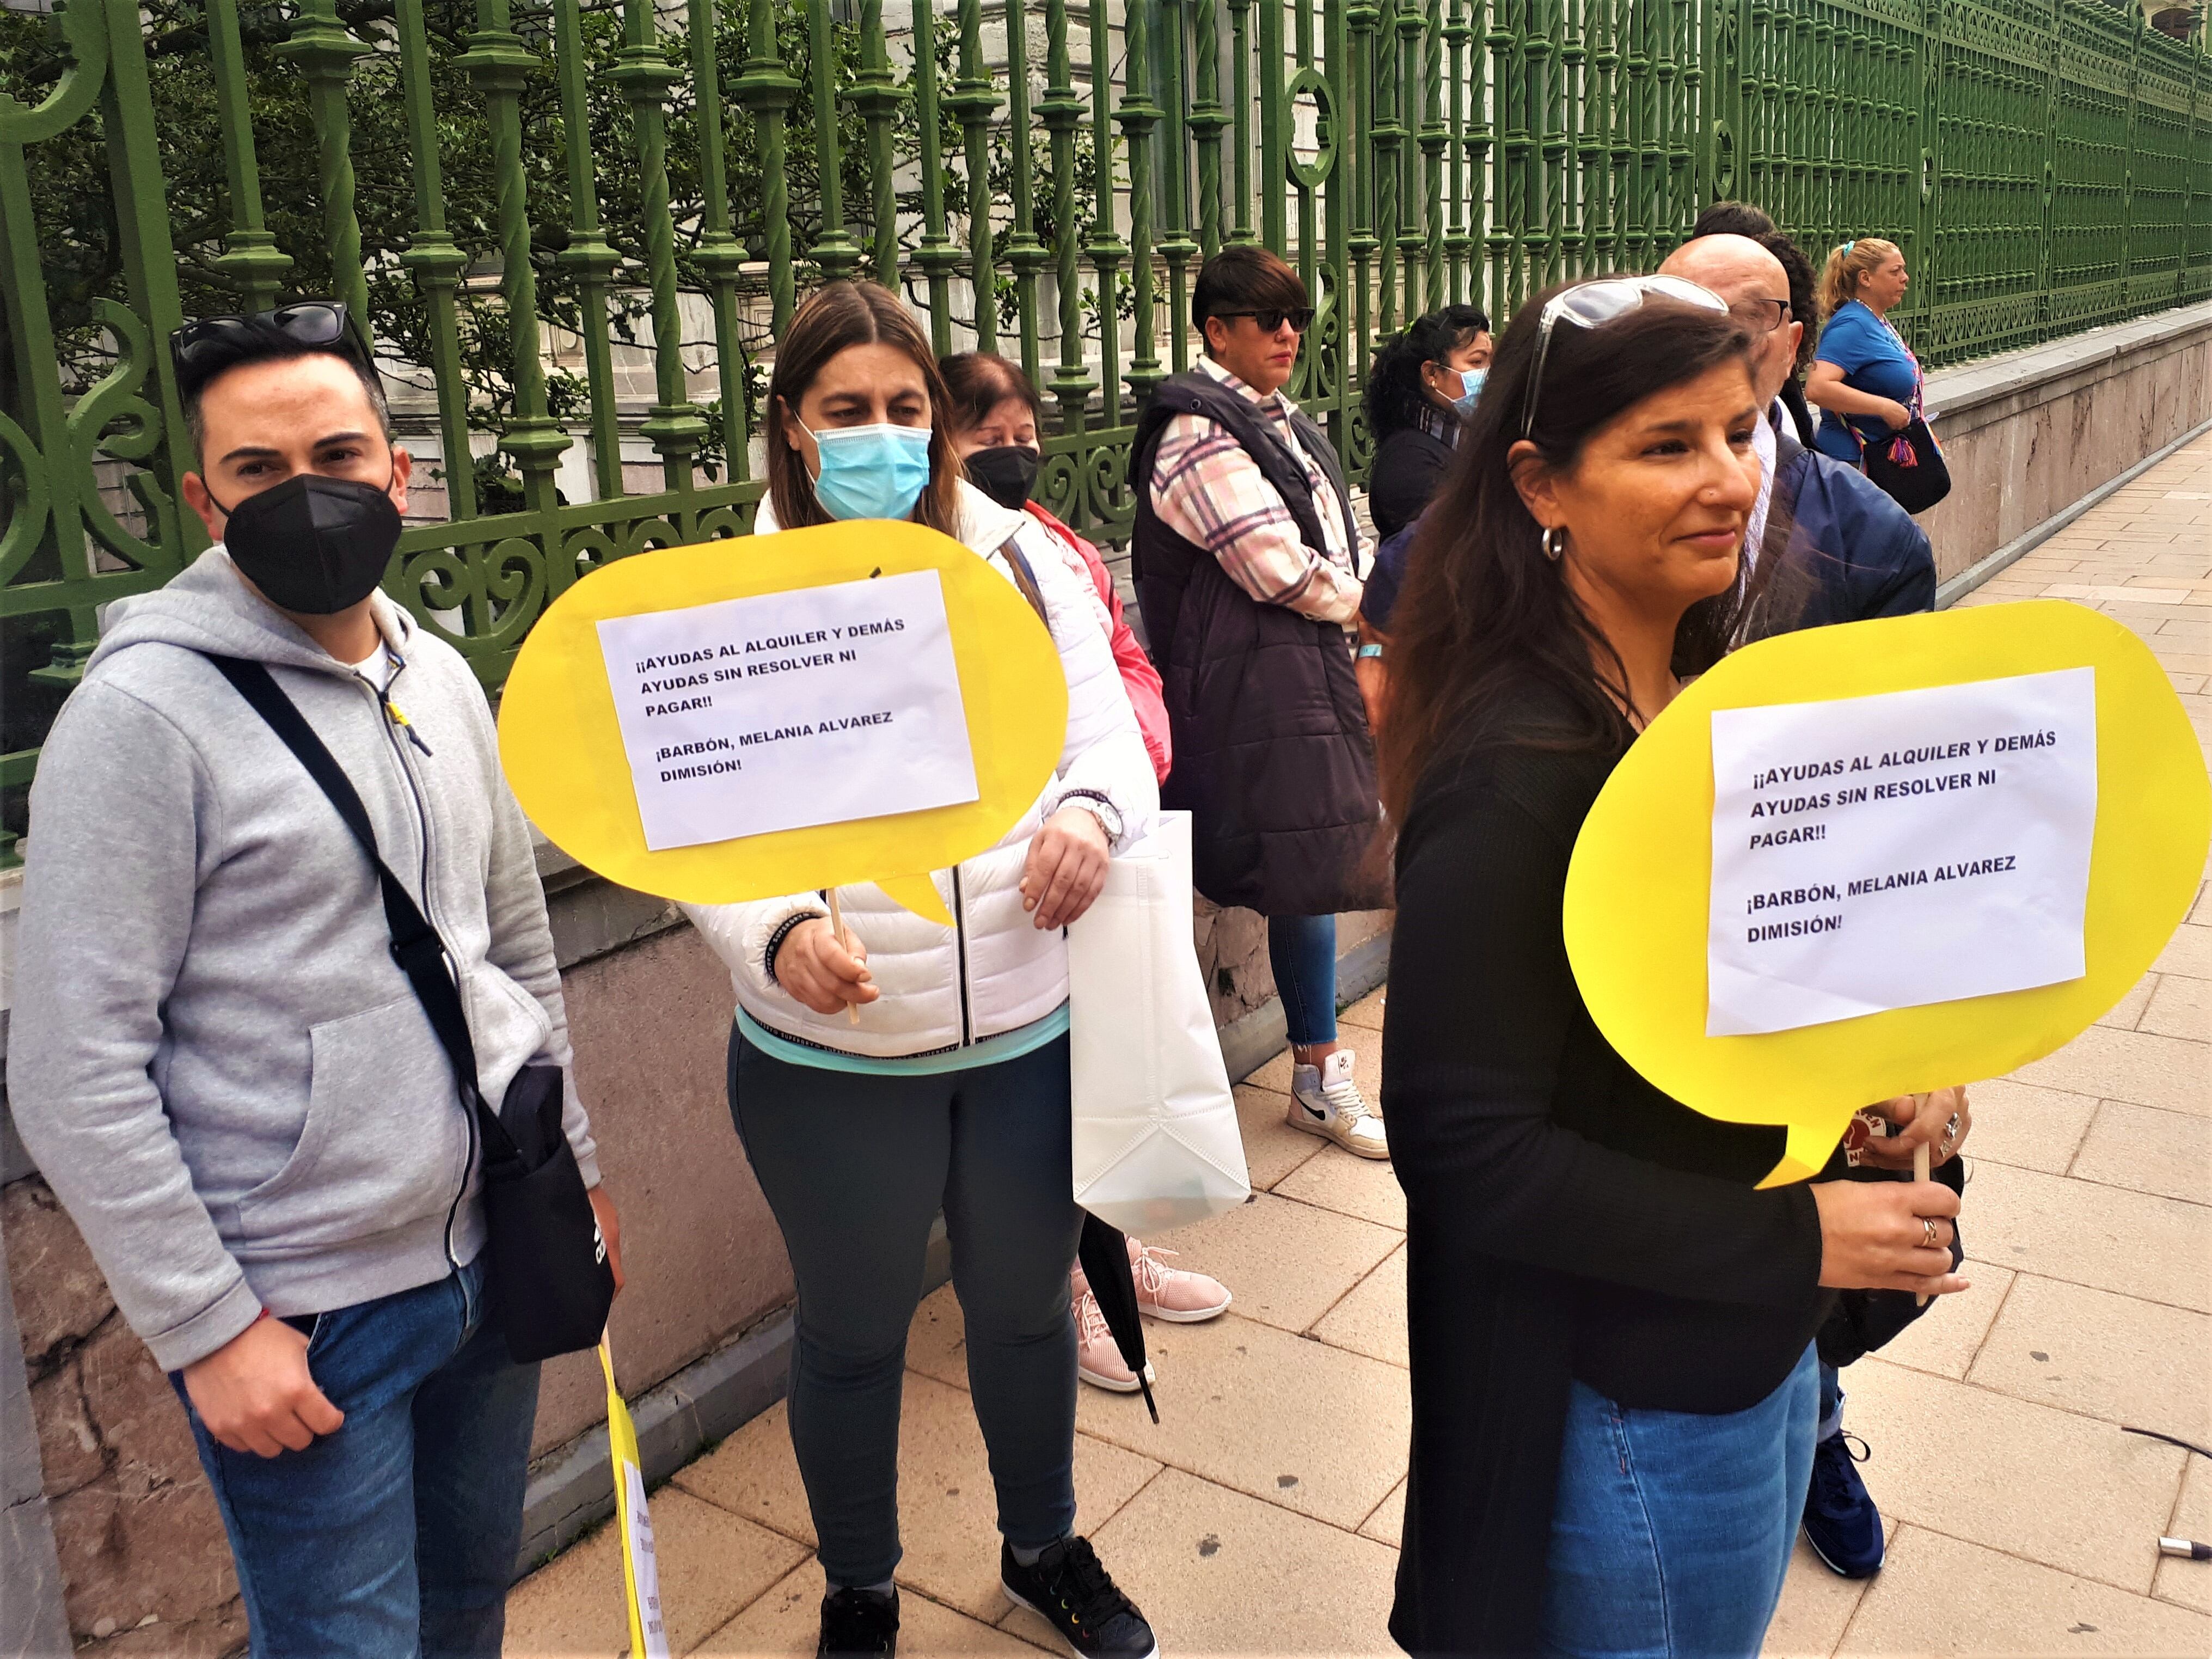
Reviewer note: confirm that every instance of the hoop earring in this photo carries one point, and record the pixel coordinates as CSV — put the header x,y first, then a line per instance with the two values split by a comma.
x,y
1555,541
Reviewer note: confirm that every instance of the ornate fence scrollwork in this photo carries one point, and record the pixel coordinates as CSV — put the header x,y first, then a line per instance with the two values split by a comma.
x,y
575,278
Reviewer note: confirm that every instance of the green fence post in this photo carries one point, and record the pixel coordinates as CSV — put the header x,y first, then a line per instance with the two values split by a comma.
x,y
766,91
1173,149
323,53
719,255
1061,112
1106,249
1208,119
973,103
1024,253
1138,116
937,257
436,263
834,252
877,99
1241,40
498,63
589,254
250,257
642,72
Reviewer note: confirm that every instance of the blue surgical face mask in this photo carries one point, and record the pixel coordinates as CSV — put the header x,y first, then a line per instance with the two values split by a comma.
x,y
871,471
1470,380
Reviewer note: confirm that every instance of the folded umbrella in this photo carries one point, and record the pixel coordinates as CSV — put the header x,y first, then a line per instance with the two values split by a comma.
x,y
1103,1255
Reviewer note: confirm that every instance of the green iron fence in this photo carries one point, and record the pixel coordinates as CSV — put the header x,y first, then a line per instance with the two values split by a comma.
x,y
576,226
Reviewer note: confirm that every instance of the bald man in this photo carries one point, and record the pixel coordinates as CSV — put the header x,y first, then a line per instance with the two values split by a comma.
x,y
1836,548
1851,551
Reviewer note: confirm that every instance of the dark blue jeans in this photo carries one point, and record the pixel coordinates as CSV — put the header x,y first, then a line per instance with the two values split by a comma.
x,y
856,1168
1672,1530
396,1536
1302,949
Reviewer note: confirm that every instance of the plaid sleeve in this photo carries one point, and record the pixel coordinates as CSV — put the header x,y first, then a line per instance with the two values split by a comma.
x,y
1209,491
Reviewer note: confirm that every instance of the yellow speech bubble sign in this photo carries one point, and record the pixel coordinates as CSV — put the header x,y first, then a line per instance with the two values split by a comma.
x,y
1640,883
561,743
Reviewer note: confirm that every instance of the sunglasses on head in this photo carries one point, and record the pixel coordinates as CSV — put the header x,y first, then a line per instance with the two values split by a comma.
x,y
1593,305
1300,317
204,348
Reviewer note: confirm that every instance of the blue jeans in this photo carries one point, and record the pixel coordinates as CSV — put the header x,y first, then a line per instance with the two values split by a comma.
x,y
1672,1530
396,1536
1302,949
1831,1400
856,1167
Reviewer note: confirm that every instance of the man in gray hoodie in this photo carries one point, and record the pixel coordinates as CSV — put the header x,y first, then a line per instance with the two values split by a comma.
x,y
216,1061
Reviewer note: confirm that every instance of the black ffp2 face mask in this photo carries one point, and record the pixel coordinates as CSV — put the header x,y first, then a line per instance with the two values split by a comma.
x,y
312,545
1007,474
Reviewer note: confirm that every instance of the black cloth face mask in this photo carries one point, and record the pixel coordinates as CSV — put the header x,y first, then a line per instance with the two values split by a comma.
x,y
1007,474
312,545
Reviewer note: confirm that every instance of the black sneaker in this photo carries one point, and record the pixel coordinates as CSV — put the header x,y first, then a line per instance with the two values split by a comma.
x,y
1069,1590
1841,1522
858,1621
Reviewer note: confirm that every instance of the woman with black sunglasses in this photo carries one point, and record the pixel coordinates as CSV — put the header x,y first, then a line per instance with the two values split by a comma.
x,y
1247,562
1614,1387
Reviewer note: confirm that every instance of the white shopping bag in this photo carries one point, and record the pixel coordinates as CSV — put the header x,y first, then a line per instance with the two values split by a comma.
x,y
1156,1144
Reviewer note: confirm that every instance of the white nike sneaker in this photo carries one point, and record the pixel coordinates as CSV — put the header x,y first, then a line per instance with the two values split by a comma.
x,y
1325,1101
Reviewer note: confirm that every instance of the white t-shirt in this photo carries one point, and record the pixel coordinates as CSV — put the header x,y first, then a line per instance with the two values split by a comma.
x,y
376,668
1766,444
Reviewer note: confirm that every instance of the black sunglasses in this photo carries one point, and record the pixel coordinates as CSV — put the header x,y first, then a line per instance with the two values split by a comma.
x,y
204,348
1300,318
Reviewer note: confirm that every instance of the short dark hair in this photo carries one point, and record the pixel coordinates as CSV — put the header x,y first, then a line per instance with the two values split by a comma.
x,y
1734,218
1394,398
1804,302
979,382
255,340
1245,278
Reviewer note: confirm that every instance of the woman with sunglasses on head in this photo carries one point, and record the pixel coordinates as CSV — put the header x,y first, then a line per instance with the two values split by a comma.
x,y
1614,1384
899,1068
1247,557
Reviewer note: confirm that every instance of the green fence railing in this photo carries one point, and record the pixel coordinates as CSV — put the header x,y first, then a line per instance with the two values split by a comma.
x,y
577,225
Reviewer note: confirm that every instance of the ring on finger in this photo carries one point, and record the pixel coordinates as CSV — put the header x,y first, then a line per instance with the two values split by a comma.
x,y
1934,1240
1950,1135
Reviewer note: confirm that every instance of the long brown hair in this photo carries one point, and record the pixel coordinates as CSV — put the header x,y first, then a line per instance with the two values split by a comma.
x,y
1482,609
835,316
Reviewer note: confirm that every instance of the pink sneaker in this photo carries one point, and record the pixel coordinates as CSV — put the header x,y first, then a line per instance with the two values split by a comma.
x,y
1170,1293
1097,1360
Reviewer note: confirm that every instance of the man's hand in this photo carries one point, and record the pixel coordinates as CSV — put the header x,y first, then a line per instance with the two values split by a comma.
x,y
603,1209
254,1393
1067,867
826,974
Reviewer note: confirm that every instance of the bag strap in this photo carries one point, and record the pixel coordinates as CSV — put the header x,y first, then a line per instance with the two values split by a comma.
x,y
415,945
1026,581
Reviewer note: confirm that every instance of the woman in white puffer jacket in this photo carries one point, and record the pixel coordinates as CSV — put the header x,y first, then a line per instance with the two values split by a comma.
x,y
950,1090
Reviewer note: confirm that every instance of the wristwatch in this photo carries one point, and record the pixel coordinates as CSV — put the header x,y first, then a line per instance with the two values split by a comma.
x,y
1089,801
1370,649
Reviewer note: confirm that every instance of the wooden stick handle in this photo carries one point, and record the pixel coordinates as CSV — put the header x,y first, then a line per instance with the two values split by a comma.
x,y
1920,1173
837,927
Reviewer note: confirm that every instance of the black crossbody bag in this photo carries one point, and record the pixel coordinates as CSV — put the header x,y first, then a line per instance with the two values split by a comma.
x,y
551,1279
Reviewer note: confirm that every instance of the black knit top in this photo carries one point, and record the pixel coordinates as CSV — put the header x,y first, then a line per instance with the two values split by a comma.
x,y
1565,1219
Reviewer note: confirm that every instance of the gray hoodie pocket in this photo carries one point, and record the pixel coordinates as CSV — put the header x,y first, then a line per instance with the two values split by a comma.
x,y
383,1145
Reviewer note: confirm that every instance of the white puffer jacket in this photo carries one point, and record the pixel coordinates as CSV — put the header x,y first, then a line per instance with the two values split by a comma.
x,y
995,971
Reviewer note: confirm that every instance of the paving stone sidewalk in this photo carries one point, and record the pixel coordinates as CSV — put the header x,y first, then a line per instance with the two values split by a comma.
x,y
1262,1515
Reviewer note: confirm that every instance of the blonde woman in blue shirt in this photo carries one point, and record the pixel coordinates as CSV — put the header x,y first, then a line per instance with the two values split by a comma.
x,y
1864,379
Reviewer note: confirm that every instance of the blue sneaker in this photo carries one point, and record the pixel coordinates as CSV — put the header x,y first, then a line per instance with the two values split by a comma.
x,y
1841,1522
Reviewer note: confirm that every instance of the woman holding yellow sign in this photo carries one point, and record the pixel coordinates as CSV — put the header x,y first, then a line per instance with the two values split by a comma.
x,y
1614,1389
888,1067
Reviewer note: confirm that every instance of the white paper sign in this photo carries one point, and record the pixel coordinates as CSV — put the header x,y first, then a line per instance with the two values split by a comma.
x,y
644,1567
820,705
1892,851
